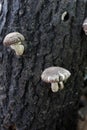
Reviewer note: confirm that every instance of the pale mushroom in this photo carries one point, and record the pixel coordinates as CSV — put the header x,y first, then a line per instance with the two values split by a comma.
x,y
15,40
85,26
56,76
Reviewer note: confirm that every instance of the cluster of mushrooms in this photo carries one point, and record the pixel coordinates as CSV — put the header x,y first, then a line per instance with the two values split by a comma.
x,y
54,75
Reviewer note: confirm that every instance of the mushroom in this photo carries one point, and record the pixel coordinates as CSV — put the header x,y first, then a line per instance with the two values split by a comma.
x,y
85,26
64,16
15,40
55,76
0,8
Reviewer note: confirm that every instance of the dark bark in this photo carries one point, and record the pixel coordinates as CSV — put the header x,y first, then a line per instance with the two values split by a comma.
x,y
27,103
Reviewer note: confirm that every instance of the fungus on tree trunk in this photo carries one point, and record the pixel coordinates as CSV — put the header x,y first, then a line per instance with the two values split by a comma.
x,y
55,76
15,40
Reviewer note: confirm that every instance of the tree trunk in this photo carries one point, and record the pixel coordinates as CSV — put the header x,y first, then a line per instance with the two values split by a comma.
x,y
53,38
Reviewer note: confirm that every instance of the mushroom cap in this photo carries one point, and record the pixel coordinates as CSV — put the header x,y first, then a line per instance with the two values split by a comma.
x,y
85,22
13,38
85,26
55,74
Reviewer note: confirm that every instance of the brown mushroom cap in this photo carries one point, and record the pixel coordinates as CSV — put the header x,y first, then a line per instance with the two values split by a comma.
x,y
13,38
53,74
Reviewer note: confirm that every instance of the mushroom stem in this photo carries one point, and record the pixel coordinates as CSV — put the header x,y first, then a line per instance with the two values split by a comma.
x,y
61,85
54,87
19,49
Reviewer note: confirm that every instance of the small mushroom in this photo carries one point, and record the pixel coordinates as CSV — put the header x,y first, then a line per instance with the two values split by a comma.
x,y
85,26
0,8
63,15
15,40
55,76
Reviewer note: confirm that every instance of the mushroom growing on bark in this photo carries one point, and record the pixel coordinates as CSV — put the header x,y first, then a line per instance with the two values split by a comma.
x,y
15,40
56,76
85,26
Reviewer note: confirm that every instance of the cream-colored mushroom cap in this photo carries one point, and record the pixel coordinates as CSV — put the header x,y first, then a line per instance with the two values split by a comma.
x,y
55,74
85,26
85,22
13,38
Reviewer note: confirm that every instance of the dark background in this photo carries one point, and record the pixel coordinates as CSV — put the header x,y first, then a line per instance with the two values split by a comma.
x,y
27,103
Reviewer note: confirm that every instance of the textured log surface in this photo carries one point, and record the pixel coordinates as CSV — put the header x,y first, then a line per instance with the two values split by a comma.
x,y
27,103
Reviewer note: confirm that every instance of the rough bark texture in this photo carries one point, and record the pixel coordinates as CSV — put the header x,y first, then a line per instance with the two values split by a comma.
x,y
27,103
